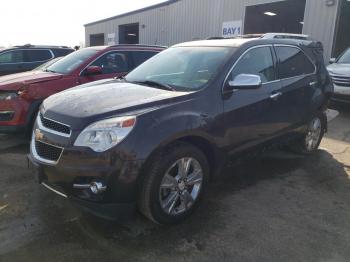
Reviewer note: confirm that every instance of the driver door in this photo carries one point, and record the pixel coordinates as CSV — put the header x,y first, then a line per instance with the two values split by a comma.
x,y
113,64
253,116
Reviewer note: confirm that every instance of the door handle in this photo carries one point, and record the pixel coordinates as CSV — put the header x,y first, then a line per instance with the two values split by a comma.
x,y
275,96
312,83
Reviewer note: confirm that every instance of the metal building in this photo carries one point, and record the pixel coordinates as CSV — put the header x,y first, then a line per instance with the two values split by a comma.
x,y
177,21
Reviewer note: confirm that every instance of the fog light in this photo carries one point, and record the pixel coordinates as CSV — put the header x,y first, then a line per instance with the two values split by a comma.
x,y
97,188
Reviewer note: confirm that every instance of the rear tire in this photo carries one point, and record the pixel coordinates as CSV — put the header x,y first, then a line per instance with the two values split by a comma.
x,y
174,184
309,142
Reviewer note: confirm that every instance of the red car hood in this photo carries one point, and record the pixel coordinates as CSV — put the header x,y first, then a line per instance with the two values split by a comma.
x,y
16,81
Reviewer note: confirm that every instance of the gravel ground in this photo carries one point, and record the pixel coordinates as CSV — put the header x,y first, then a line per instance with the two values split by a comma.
x,y
280,207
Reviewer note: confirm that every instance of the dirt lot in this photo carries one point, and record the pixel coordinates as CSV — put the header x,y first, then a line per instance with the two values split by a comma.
x,y
281,207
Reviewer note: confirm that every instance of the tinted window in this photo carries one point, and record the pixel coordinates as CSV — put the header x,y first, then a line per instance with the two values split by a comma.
x,y
72,61
183,68
113,62
141,56
61,52
293,62
37,55
257,61
15,56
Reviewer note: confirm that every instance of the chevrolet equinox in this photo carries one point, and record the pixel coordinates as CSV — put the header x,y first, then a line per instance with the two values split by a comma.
x,y
155,138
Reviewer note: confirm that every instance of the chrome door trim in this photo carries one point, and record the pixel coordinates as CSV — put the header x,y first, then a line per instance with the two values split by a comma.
x,y
240,58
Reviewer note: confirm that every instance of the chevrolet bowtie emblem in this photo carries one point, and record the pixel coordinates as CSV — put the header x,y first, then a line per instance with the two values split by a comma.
x,y
38,135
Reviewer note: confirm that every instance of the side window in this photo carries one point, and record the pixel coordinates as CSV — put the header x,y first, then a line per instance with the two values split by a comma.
x,y
141,56
113,62
37,55
61,52
257,61
11,57
293,62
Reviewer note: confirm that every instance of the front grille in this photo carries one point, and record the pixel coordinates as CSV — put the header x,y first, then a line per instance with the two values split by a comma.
x,y
341,80
55,126
48,152
6,116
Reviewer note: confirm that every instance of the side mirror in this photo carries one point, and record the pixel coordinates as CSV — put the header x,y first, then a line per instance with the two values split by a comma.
x,y
332,60
244,81
93,70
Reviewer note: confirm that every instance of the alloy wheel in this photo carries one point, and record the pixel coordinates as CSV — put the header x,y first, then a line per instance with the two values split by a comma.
x,y
180,186
313,135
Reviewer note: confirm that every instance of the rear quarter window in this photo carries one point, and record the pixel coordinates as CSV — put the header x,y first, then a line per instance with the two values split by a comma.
x,y
61,52
293,62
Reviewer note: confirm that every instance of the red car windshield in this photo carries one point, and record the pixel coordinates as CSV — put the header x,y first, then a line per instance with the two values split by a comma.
x,y
72,61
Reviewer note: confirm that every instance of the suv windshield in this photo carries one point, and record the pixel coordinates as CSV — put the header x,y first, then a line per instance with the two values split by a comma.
x,y
72,61
182,68
345,58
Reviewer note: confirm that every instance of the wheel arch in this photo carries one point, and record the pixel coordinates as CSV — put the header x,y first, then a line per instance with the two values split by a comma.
x,y
216,159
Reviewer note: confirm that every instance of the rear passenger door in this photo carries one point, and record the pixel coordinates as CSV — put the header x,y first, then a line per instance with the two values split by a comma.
x,y
299,80
252,116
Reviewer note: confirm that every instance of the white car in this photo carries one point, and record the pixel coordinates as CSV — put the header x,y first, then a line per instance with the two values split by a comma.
x,y
339,70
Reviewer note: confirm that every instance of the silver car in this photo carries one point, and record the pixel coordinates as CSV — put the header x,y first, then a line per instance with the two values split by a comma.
x,y
339,70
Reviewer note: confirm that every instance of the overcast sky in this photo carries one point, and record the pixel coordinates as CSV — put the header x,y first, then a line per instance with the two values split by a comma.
x,y
57,22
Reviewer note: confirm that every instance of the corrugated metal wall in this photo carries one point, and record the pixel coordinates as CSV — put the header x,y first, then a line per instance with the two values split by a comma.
x,y
198,19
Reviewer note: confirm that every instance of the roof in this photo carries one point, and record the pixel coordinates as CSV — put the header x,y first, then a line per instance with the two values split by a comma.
x,y
102,47
262,39
218,42
166,3
285,36
36,46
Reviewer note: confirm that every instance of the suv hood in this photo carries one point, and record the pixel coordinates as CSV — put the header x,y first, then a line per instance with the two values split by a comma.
x,y
339,69
89,103
16,81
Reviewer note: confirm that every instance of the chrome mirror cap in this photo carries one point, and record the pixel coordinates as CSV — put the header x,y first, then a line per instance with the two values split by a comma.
x,y
332,60
245,81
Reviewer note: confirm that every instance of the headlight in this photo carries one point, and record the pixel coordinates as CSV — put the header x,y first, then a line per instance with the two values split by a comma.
x,y
103,135
7,95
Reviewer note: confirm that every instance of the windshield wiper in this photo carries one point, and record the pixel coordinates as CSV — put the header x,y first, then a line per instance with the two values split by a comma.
x,y
155,84
120,78
51,71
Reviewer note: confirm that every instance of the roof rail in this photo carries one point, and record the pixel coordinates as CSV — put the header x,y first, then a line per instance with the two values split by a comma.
x,y
285,36
41,46
266,36
235,37
137,45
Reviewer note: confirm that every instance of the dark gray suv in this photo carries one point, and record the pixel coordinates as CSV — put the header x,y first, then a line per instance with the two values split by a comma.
x,y
25,58
155,138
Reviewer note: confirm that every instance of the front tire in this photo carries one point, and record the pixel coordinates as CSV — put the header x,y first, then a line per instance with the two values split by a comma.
x,y
174,184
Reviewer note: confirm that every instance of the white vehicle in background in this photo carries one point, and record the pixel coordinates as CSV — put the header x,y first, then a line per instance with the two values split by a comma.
x,y
339,70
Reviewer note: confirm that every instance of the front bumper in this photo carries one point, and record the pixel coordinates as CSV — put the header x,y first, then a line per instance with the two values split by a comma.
x,y
79,167
341,94
16,115
106,207
13,113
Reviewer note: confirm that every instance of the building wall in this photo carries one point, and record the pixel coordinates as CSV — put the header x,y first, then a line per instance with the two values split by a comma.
x,y
187,20
320,23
